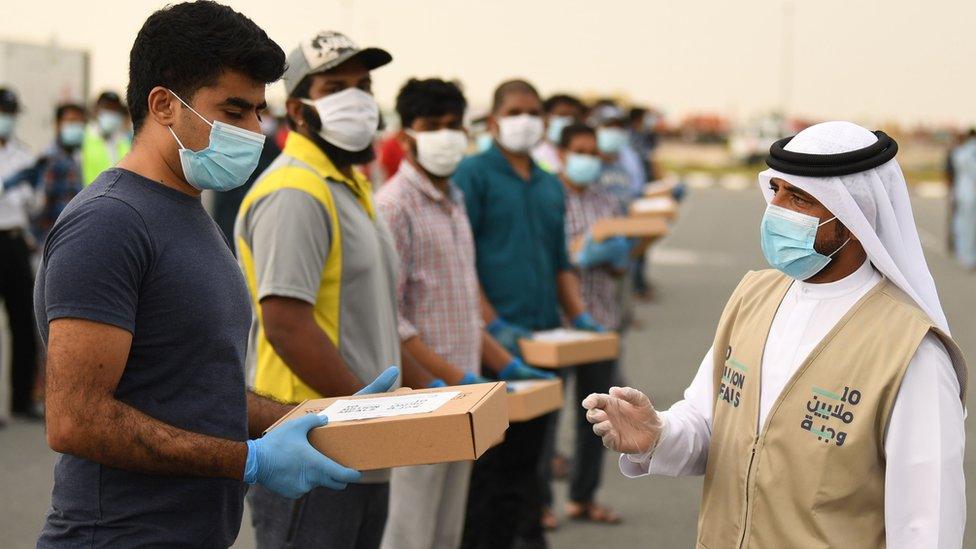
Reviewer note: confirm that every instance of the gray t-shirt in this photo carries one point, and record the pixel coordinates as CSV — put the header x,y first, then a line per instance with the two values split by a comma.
x,y
135,254
289,233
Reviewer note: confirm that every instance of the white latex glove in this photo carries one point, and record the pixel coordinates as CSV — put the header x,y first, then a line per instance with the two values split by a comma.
x,y
625,419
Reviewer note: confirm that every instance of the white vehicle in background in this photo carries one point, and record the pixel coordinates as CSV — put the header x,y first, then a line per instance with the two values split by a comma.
x,y
42,76
749,143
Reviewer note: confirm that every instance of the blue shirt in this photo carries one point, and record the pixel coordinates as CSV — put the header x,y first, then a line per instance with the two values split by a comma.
x,y
519,235
132,253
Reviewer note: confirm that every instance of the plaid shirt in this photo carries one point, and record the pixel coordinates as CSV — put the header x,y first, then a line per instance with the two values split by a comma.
x,y
437,281
597,286
60,181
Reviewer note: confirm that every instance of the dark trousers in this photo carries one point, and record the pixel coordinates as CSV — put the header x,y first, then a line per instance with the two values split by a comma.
x,y
17,292
587,448
637,271
353,518
503,499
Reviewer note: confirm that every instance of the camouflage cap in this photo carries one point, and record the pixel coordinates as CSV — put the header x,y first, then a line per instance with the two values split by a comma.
x,y
327,50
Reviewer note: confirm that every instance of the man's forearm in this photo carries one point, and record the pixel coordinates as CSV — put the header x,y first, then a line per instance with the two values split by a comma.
x,y
431,361
414,374
115,434
493,355
488,312
312,356
568,287
262,412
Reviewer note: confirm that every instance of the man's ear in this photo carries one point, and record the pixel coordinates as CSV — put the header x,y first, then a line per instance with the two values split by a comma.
x,y
406,142
493,125
161,105
295,111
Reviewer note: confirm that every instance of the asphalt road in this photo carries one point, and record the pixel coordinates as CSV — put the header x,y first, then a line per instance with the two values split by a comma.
x,y
694,270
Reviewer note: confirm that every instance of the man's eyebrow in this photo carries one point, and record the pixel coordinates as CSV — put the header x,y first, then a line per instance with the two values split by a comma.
x,y
243,104
798,191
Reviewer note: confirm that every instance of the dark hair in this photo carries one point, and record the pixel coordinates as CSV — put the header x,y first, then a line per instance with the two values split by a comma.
x,y
562,99
571,131
64,108
431,97
509,87
187,46
636,114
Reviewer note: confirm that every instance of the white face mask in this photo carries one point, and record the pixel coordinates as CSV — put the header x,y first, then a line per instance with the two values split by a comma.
x,y
440,152
349,118
520,133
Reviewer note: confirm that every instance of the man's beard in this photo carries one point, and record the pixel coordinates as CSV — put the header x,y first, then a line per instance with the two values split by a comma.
x,y
339,156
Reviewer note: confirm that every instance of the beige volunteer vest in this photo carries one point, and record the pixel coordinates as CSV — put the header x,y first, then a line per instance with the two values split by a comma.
x,y
813,475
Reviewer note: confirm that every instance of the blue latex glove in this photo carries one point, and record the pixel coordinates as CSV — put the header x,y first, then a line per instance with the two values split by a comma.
x,y
284,462
516,370
383,382
471,379
507,335
611,251
437,383
623,262
584,321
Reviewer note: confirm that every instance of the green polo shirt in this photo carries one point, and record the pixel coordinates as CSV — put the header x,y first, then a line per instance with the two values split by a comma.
x,y
519,235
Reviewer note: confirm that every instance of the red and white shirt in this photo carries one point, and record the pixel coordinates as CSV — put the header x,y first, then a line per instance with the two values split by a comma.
x,y
437,280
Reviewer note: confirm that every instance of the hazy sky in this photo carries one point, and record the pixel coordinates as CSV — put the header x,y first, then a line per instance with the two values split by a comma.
x,y
871,60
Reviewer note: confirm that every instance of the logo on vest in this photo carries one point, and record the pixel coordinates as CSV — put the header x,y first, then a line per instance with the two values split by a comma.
x,y
824,407
733,380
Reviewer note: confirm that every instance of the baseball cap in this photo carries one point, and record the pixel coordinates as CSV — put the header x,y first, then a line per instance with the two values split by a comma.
x,y
8,101
606,114
327,50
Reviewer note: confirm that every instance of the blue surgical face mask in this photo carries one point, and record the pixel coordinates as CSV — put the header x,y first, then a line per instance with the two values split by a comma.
x,y
228,160
787,239
109,122
610,140
6,125
583,169
71,134
556,126
483,142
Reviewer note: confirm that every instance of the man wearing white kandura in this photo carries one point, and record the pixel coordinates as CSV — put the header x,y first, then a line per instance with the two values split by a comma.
x,y
829,410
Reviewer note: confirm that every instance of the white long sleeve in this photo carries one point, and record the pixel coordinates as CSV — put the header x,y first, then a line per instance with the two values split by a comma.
x,y
925,503
683,447
925,488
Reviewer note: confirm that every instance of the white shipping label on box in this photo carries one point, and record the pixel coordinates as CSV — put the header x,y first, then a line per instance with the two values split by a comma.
x,y
524,385
652,204
401,405
560,335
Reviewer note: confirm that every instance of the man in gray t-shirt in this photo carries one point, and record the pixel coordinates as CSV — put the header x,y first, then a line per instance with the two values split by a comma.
x,y
321,268
145,314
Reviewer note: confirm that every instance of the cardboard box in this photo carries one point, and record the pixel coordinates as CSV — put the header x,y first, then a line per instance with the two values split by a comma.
x,y
661,206
561,348
635,227
663,187
530,399
462,428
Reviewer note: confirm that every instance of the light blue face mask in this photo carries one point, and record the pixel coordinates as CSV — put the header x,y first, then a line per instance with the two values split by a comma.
x,y
583,169
72,134
483,142
6,125
787,239
610,140
228,160
556,126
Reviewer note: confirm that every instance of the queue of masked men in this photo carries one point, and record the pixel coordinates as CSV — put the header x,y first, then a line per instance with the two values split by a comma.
x,y
452,262
441,272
